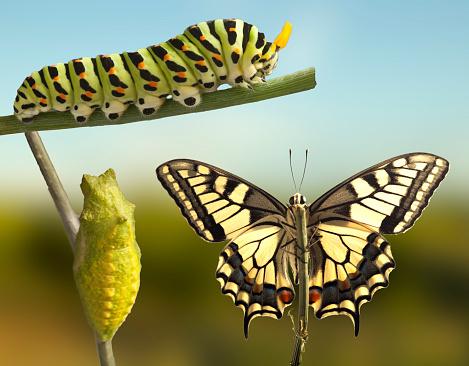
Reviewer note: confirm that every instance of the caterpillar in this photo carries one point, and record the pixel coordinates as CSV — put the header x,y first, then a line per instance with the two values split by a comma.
x,y
206,55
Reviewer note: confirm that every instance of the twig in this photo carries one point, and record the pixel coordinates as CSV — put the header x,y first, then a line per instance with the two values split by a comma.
x,y
106,357
68,216
284,85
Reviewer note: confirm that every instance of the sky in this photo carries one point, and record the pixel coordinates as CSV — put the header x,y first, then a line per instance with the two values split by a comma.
x,y
391,79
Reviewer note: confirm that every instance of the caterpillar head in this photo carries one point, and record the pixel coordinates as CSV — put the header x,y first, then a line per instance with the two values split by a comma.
x,y
268,61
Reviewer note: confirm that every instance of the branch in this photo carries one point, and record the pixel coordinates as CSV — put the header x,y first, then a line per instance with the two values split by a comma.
x,y
284,85
68,216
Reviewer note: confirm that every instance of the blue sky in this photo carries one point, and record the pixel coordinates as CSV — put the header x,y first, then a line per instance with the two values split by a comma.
x,y
392,78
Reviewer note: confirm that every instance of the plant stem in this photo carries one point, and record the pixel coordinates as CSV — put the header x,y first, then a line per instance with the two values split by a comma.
x,y
68,216
303,277
284,85
106,357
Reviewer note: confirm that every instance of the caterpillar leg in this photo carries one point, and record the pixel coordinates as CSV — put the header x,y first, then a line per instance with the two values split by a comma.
x,y
188,96
150,104
113,109
82,112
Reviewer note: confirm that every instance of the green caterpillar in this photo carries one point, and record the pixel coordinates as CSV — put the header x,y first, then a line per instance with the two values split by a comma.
x,y
208,54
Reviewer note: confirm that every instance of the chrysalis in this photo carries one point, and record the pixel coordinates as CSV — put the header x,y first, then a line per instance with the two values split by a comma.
x,y
107,257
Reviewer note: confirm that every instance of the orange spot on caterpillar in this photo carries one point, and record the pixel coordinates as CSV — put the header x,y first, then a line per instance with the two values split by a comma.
x,y
88,94
82,75
78,60
232,29
34,86
285,296
236,50
166,57
153,83
43,101
120,90
314,296
201,63
141,65
112,70
107,56
63,96
182,74
184,48
56,78
218,57
202,38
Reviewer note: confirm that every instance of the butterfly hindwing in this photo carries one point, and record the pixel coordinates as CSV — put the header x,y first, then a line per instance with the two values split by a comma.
x,y
217,204
349,262
390,196
252,269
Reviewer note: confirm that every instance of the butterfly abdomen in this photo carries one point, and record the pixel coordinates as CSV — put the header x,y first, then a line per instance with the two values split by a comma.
x,y
208,54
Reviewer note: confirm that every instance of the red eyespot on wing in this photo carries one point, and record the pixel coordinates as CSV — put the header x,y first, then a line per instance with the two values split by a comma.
x,y
285,296
314,296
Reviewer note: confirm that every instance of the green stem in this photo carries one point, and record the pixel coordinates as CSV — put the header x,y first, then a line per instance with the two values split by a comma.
x,y
106,357
303,277
284,85
68,216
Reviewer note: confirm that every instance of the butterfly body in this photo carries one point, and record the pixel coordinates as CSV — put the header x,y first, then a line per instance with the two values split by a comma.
x,y
333,246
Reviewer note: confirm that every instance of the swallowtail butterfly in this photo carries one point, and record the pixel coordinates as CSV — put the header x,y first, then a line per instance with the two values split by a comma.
x,y
208,54
349,259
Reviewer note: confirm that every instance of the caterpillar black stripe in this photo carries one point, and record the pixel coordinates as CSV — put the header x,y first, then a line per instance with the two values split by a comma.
x,y
208,54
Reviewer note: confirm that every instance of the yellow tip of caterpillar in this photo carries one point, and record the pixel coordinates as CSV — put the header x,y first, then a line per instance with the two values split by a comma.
x,y
282,39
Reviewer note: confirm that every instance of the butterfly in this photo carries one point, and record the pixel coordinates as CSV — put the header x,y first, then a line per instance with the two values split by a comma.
x,y
347,257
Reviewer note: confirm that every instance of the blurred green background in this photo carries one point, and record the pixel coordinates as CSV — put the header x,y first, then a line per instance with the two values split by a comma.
x,y
392,79
181,318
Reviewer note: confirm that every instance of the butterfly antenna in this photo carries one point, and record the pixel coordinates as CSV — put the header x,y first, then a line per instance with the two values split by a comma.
x,y
304,170
293,177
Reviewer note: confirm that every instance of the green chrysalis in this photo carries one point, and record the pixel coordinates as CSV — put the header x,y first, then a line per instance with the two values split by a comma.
x,y
107,257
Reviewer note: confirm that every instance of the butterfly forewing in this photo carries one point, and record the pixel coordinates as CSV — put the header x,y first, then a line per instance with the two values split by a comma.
x,y
217,204
390,196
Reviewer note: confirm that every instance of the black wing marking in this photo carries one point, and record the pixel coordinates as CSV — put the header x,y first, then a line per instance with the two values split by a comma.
x,y
349,263
388,197
217,204
253,269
